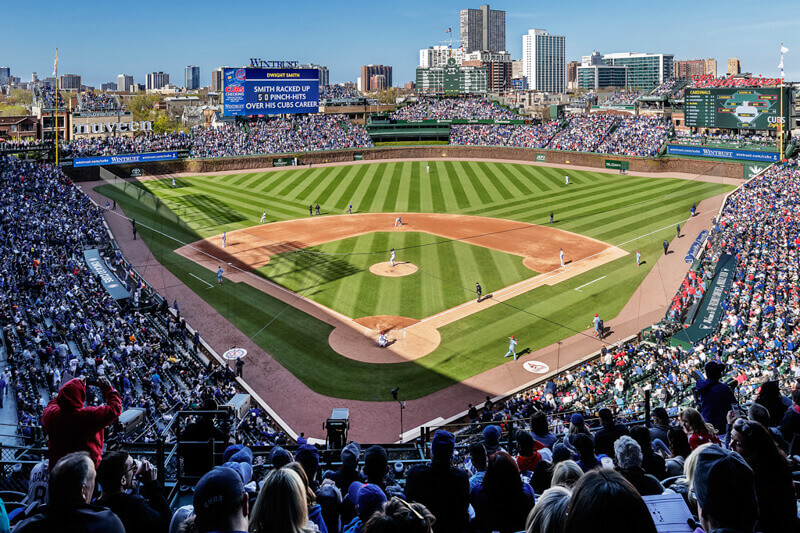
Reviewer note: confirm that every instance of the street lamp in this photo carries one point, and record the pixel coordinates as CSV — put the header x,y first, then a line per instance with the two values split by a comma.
x,y
402,406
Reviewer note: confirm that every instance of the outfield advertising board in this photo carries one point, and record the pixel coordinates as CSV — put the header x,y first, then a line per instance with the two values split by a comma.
x,y
720,153
612,163
124,159
262,91
752,108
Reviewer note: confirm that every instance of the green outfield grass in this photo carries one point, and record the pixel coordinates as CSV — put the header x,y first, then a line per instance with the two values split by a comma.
x,y
336,274
632,212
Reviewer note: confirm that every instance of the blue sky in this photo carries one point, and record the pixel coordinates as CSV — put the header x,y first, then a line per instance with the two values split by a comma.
x,y
102,39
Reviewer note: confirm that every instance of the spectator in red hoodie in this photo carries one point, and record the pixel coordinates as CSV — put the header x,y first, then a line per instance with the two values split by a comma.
x,y
72,427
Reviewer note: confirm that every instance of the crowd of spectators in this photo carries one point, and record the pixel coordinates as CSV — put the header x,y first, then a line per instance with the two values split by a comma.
x,y
337,92
668,87
59,323
90,101
621,97
584,133
295,134
47,97
430,108
637,136
723,139
521,136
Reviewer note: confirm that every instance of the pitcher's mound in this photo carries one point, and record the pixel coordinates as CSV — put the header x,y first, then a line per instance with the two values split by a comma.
x,y
399,269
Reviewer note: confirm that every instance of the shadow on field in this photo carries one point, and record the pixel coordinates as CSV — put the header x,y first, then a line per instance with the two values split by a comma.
x,y
204,210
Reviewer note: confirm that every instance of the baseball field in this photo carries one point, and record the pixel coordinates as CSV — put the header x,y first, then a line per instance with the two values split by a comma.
x,y
316,291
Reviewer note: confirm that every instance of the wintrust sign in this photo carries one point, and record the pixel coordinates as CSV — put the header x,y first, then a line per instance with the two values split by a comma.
x,y
112,127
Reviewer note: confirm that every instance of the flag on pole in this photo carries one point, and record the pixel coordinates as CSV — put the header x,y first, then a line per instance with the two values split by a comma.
x,y
448,30
784,49
55,63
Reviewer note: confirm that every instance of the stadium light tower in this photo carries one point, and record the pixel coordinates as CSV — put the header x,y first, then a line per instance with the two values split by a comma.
x,y
402,406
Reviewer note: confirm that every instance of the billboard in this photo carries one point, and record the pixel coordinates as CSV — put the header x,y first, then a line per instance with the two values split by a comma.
x,y
754,108
722,153
268,91
124,159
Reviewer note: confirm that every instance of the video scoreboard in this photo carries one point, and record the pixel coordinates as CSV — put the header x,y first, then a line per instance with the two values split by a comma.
x,y
755,108
261,91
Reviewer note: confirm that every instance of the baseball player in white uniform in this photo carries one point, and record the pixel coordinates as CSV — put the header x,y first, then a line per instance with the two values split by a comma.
x,y
383,342
173,183
561,256
566,179
398,222
263,217
391,259
224,238
427,169
512,347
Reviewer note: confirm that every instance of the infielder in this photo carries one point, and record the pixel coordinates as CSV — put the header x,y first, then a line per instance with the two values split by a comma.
x,y
350,209
638,258
561,256
224,238
219,275
263,217
398,222
478,289
512,347
383,342
391,259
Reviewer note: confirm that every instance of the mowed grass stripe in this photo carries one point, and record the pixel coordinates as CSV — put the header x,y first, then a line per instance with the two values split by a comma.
x,y
386,290
495,182
292,181
480,185
404,186
425,190
249,183
308,190
454,195
362,195
531,178
252,203
470,188
328,185
378,188
438,202
389,196
513,179
415,189
345,293
412,287
274,179
351,182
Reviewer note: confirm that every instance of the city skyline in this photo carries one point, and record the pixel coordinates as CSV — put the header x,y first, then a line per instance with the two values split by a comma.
x,y
344,40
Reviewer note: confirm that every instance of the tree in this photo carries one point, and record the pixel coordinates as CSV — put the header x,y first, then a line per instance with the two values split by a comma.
x,y
12,110
141,106
19,97
388,96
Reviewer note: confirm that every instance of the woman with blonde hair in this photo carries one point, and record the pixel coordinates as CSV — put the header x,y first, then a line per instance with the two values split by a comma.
x,y
696,428
314,509
566,474
550,512
281,505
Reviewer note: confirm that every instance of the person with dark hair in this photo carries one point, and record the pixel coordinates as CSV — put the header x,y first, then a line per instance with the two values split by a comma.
x,y
477,455
604,502
368,498
399,516
348,472
660,424
725,490
528,457
629,464
587,460
772,476
680,450
769,395
118,473
70,490
502,501
442,488
72,426
540,429
652,463
376,471
790,423
715,397
758,413
491,439
220,502
308,457
607,435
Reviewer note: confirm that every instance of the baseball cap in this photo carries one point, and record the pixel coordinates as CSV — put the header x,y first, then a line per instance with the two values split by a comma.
x,y
244,470
576,419
239,453
218,490
721,477
714,368
368,500
350,455
279,457
443,443
308,456
491,434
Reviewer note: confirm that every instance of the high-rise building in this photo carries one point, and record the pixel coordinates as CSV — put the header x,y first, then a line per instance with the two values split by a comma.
x,y
5,75
367,71
156,80
695,67
124,83
572,71
377,82
324,74
593,73
437,56
69,82
483,29
643,71
734,66
192,78
217,79
110,86
711,67
34,77
544,61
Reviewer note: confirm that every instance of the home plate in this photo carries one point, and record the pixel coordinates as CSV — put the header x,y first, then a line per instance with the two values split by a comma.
x,y
536,367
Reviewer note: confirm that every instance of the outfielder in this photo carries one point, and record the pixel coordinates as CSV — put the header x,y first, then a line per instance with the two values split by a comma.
x,y
263,217
350,209
391,259
512,347
566,179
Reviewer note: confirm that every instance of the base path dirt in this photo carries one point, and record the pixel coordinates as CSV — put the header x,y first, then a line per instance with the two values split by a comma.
x,y
396,271
539,246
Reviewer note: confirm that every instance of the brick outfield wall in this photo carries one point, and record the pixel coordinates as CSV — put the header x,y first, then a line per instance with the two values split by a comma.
x,y
726,169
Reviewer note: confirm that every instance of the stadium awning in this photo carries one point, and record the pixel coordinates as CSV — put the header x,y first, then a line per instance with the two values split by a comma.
x,y
110,281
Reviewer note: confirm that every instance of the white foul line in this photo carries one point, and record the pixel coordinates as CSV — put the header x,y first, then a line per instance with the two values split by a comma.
x,y
201,279
585,284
